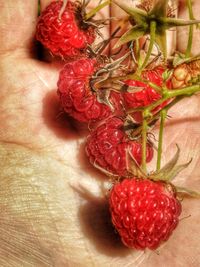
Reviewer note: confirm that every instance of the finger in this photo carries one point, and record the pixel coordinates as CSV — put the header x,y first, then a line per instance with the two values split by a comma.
x,y
17,24
182,33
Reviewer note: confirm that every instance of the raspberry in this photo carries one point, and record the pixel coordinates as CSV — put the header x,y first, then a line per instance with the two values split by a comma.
x,y
65,36
144,212
148,95
76,95
108,144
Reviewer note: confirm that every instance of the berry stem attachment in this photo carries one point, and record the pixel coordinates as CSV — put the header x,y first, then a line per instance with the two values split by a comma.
x,y
152,41
163,115
96,9
144,142
190,37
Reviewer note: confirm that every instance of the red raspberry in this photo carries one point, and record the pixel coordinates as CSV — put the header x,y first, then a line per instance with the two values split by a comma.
x,y
108,144
65,36
144,212
148,95
76,95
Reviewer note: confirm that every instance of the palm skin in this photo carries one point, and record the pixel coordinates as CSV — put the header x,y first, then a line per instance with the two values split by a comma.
x,y
48,216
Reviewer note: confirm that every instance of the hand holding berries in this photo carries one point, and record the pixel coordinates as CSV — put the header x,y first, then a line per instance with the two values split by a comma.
x,y
144,210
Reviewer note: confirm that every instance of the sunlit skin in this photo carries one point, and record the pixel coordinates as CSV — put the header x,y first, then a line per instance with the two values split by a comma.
x,y
53,203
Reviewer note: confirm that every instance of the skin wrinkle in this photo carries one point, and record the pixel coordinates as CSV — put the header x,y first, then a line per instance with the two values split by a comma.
x,y
22,194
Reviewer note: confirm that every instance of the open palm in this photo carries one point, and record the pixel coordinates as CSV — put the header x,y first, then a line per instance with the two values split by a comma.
x,y
53,211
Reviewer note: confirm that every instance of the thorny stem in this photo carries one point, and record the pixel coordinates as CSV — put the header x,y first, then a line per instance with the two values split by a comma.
x,y
163,115
96,9
152,41
144,142
190,37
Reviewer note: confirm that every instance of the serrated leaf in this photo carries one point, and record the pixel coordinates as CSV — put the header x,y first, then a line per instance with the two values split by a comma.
x,y
160,8
138,14
132,34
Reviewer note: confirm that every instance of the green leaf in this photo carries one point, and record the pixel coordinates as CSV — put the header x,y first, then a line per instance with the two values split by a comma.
x,y
132,34
159,9
137,14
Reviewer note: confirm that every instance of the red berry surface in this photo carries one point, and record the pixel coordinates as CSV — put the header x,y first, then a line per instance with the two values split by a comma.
x,y
148,95
144,212
65,36
108,144
76,95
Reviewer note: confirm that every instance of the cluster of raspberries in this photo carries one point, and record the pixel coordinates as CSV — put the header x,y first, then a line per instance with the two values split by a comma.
x,y
144,212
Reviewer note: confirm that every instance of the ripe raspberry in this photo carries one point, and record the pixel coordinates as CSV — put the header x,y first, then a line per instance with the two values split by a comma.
x,y
76,95
65,36
148,95
108,144
144,212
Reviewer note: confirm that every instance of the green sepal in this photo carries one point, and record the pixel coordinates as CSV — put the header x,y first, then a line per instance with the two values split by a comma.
x,y
168,23
143,20
159,9
182,191
137,14
134,33
171,169
160,39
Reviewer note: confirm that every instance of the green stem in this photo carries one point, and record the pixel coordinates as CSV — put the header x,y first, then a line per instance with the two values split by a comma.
x,y
190,37
96,9
163,115
152,41
157,115
144,142
187,91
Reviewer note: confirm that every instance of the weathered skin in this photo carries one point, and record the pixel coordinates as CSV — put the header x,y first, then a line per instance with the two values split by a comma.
x,y
46,220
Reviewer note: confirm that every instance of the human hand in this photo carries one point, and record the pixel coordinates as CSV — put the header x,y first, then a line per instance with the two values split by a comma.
x,y
46,218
